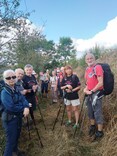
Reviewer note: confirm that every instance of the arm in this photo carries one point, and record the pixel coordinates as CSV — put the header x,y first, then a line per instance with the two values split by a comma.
x,y
100,84
9,105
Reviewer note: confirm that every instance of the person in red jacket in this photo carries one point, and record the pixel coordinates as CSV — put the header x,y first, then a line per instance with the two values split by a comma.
x,y
94,85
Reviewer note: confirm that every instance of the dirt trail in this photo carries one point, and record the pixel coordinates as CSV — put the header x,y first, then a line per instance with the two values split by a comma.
x,y
59,142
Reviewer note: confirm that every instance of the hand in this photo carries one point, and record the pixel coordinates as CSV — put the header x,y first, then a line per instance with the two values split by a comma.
x,y
69,87
28,90
30,104
68,90
87,92
24,92
26,112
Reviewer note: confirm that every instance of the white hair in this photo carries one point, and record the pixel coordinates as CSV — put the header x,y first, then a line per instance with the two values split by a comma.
x,y
19,69
28,66
6,72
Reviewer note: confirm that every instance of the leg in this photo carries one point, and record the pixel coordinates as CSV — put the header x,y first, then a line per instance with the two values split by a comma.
x,y
11,136
76,113
92,128
68,108
99,119
75,107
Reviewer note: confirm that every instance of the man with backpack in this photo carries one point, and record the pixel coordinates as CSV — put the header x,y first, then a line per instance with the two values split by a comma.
x,y
94,76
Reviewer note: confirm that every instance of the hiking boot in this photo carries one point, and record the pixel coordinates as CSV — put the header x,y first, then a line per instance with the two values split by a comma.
x,y
92,130
68,123
98,135
75,126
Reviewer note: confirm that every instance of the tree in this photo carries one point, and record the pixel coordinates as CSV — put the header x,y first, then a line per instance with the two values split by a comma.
x,y
65,49
9,15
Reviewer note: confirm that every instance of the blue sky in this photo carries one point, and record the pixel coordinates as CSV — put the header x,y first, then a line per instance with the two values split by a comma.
x,y
81,19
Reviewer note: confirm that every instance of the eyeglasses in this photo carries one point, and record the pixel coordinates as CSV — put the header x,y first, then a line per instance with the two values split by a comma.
x,y
9,78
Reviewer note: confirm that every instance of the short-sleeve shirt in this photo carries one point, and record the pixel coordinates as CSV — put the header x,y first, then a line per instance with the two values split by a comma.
x,y
72,80
91,75
53,81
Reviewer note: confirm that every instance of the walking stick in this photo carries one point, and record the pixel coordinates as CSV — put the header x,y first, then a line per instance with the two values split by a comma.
x,y
28,127
32,116
41,115
79,121
40,111
63,114
82,123
57,116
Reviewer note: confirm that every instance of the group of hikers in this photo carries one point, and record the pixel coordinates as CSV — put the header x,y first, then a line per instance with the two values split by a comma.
x,y
19,92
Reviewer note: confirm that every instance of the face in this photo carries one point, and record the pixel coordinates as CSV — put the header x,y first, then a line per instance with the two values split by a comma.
x,y
53,73
28,71
68,71
62,69
10,79
19,74
90,59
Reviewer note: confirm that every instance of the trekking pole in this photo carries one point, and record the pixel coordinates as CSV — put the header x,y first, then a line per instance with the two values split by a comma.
x,y
28,127
40,112
82,123
80,115
41,115
32,116
57,117
63,114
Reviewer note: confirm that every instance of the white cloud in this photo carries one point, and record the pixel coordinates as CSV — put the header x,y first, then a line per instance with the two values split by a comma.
x,y
106,38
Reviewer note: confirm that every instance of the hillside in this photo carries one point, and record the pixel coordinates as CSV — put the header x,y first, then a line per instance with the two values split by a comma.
x,y
60,141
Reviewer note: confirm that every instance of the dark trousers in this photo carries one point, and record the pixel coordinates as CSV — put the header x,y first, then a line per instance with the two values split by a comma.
x,y
44,87
32,99
12,131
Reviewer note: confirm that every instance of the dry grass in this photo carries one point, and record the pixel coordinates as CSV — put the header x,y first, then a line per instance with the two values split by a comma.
x,y
60,142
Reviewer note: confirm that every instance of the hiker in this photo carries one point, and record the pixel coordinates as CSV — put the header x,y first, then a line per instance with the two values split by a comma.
x,y
53,83
44,78
71,85
19,83
60,77
15,107
30,84
94,86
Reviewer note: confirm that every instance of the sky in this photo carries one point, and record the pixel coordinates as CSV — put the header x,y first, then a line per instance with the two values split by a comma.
x,y
81,20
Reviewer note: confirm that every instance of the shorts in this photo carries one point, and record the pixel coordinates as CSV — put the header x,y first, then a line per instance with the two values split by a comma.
x,y
75,102
95,112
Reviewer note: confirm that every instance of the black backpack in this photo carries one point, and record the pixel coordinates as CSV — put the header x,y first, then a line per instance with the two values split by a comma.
x,y
108,78
1,106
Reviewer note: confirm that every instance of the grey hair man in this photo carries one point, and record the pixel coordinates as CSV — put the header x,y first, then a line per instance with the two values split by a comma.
x,y
94,85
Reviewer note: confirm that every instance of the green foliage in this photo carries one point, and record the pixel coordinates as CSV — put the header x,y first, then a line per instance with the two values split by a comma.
x,y
96,51
73,62
65,49
81,61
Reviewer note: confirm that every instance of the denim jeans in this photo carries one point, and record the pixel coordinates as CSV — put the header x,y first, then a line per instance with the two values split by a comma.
x,y
12,131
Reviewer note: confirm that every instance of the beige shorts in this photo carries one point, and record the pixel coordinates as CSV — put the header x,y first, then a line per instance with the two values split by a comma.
x,y
75,102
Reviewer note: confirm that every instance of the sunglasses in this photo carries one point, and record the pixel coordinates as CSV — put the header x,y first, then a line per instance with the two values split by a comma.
x,y
9,78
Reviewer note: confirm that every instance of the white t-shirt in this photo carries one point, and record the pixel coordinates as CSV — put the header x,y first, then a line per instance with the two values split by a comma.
x,y
53,81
